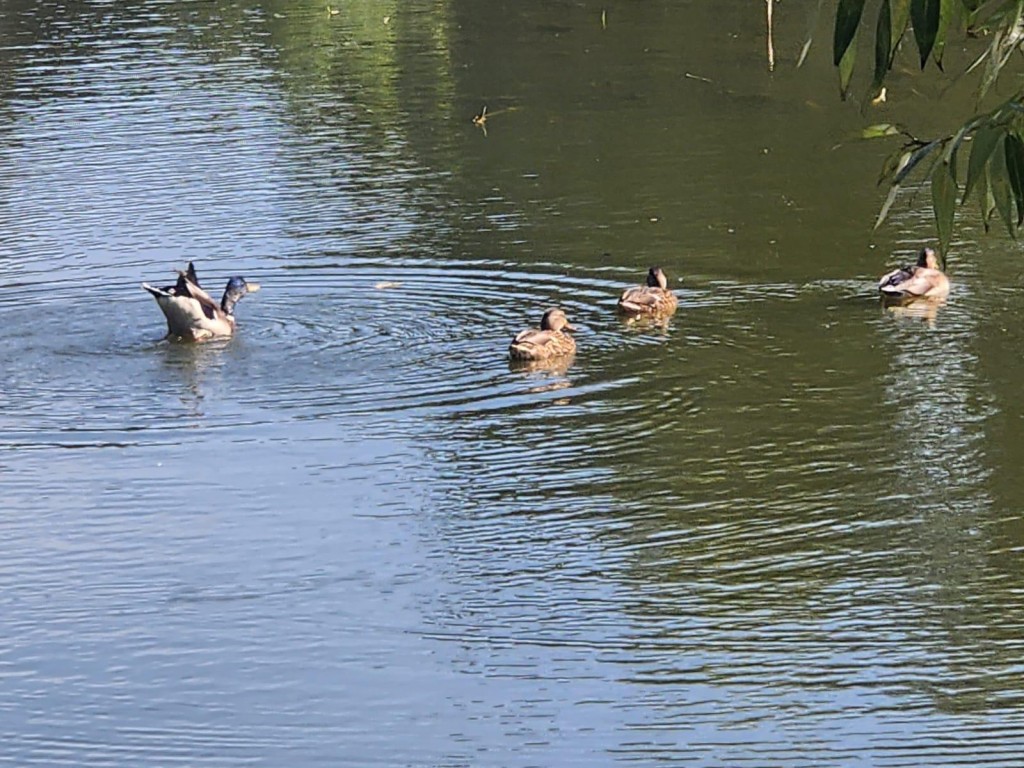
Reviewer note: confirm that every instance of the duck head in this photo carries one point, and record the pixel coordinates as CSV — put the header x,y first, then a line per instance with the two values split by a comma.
x,y
555,320
656,278
237,288
928,258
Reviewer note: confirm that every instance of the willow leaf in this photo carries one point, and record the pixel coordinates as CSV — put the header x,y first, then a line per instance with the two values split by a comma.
x,y
880,130
892,163
847,21
986,199
1005,42
944,202
947,9
982,146
915,157
977,62
883,46
953,145
993,64
1001,192
924,14
894,190
900,16
846,68
1014,148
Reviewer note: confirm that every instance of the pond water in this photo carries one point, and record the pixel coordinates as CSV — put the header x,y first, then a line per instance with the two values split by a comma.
x,y
785,529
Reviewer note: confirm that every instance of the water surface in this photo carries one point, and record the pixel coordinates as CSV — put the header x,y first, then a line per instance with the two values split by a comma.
x,y
783,529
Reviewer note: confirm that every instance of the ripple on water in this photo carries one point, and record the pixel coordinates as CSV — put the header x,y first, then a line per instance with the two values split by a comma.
x,y
366,338
408,335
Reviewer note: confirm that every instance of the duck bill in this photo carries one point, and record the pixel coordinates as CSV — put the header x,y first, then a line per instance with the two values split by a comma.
x,y
252,287
568,327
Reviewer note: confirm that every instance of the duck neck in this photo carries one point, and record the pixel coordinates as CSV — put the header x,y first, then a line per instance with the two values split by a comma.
x,y
227,304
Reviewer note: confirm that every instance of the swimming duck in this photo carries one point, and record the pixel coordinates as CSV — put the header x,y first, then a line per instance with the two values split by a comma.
x,y
651,300
190,311
922,280
548,341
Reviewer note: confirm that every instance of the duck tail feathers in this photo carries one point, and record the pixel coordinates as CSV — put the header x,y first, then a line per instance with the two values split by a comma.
x,y
158,292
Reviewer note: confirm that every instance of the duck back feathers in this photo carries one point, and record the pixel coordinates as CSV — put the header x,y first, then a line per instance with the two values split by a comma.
x,y
653,299
547,342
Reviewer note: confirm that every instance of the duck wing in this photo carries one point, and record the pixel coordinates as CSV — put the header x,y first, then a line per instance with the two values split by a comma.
x,y
909,282
928,282
184,314
891,281
533,337
159,293
186,287
535,344
645,300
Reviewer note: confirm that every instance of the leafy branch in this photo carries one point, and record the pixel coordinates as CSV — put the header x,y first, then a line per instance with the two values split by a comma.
x,y
995,166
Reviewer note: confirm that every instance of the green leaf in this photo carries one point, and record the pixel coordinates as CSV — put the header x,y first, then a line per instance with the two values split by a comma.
x,y
944,202
915,157
892,163
879,131
907,162
899,11
883,46
894,190
977,62
847,20
846,68
925,16
1014,148
987,200
982,146
993,64
904,165
1005,42
947,8
1001,192
953,145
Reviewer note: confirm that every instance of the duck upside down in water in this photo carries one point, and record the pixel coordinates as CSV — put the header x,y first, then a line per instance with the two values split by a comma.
x,y
547,342
653,300
921,280
190,311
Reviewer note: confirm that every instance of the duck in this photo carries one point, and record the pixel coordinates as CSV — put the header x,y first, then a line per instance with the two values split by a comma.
x,y
921,280
191,312
653,299
547,342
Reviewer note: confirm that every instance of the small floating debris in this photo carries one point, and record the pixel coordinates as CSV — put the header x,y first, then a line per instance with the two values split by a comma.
x,y
385,285
480,120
